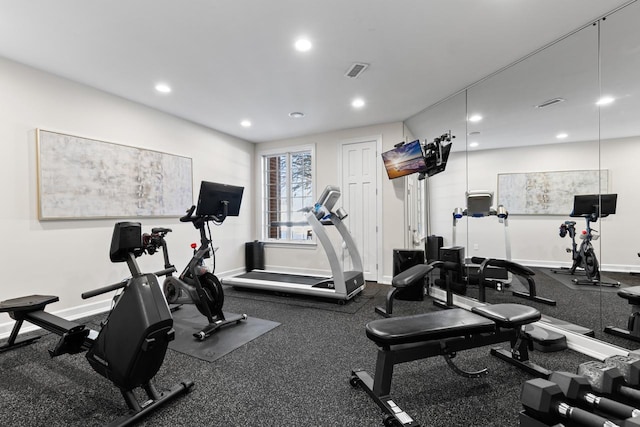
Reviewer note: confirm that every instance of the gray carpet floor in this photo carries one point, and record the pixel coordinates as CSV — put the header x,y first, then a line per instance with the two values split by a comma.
x,y
296,374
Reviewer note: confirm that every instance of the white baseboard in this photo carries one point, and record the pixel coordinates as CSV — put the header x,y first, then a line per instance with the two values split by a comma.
x,y
71,313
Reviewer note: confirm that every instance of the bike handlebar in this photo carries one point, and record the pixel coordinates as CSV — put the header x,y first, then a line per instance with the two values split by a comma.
x,y
199,220
104,289
188,217
166,271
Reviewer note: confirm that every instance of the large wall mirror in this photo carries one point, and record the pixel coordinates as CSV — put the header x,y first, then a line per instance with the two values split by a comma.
x,y
535,136
533,143
620,154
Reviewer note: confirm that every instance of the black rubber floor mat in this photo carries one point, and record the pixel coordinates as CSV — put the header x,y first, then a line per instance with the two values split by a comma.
x,y
187,320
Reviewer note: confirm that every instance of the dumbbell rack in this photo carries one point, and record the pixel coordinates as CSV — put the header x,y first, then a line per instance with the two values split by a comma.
x,y
601,394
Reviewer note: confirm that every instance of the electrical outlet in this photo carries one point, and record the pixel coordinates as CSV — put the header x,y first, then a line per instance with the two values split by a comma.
x,y
475,247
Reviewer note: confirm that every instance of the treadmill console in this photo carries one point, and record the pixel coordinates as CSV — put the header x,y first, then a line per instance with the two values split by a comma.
x,y
329,197
479,203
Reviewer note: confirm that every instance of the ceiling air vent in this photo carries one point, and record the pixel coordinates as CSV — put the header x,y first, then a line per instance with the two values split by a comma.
x,y
550,102
356,69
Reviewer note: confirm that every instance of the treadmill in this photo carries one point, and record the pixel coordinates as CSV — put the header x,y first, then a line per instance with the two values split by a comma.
x,y
342,285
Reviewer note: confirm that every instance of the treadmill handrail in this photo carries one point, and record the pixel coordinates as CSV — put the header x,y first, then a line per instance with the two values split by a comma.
x,y
337,269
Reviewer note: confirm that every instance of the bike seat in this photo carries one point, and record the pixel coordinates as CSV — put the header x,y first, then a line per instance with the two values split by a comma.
x,y
158,230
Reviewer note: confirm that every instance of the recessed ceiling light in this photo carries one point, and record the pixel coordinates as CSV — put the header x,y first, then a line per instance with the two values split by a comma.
x,y
473,144
163,88
474,133
296,115
245,123
302,45
475,118
605,100
562,135
357,103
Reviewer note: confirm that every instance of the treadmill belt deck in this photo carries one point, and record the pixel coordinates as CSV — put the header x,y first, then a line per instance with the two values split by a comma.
x,y
282,277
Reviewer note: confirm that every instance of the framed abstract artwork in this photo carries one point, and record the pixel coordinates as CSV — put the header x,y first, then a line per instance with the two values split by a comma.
x,y
82,178
548,193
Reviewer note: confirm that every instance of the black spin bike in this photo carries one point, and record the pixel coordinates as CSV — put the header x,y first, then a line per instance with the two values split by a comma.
x,y
591,208
196,284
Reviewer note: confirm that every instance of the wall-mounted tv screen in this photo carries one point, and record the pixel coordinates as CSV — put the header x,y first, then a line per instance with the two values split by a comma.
x,y
404,160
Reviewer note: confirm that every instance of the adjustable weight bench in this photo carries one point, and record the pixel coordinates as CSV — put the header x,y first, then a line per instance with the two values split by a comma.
x,y
443,333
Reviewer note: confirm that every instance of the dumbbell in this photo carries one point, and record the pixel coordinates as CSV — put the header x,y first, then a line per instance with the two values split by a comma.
x,y
607,380
629,367
545,400
577,388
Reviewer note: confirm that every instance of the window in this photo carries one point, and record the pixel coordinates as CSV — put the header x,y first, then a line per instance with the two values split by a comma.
x,y
287,189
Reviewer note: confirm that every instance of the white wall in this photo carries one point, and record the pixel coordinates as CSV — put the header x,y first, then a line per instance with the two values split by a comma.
x,y
65,258
619,232
535,239
327,146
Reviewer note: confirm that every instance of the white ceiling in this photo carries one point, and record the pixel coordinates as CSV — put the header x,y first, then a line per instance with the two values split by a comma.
x,y
597,61
229,60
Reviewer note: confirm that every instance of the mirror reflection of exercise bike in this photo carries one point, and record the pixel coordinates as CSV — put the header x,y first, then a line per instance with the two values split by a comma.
x,y
591,207
196,284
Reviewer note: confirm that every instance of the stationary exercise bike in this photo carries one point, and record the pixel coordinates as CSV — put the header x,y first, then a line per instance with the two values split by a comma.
x,y
590,207
130,347
196,284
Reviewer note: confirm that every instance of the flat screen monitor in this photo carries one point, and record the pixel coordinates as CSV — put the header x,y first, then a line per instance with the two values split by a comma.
x,y
436,158
212,197
404,160
587,204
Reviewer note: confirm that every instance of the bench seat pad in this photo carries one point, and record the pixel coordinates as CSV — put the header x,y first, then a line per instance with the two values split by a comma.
x,y
427,327
28,303
632,293
508,315
410,275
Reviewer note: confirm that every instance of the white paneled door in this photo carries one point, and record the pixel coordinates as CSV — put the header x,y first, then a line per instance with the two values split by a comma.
x,y
359,189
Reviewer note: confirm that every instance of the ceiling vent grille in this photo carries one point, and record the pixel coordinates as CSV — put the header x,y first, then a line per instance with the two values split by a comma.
x,y
356,69
550,102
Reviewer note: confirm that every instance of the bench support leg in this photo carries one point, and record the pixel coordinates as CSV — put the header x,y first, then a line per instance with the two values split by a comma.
x,y
11,342
633,326
395,415
384,373
387,310
619,332
532,294
519,356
